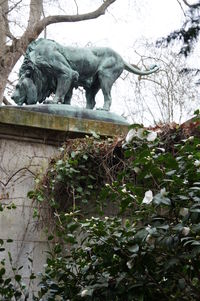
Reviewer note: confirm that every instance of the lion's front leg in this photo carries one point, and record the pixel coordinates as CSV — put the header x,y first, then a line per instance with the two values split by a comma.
x,y
64,83
68,96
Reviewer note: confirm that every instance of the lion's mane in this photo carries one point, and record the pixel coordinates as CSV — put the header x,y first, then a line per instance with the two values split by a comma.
x,y
39,72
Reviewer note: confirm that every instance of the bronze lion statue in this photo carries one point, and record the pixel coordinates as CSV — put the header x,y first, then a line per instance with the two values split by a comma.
x,y
49,68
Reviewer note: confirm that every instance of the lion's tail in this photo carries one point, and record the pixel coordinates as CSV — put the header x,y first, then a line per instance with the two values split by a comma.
x,y
134,69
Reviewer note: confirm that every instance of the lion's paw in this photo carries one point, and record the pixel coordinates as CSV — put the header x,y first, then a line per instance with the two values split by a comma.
x,y
49,101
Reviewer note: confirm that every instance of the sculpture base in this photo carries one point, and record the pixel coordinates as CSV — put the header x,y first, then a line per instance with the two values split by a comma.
x,y
74,112
54,123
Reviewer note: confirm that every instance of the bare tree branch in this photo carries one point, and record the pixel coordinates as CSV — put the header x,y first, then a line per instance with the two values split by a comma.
x,y
191,5
13,7
76,7
36,7
45,29
71,18
36,26
6,102
180,4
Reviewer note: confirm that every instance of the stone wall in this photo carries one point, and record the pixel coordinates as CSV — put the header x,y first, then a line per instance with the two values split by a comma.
x,y
27,142
20,162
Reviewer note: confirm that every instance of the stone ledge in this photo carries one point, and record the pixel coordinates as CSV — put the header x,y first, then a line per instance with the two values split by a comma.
x,y
53,124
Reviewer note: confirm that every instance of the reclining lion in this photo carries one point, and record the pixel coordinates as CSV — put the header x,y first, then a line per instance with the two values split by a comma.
x,y
49,68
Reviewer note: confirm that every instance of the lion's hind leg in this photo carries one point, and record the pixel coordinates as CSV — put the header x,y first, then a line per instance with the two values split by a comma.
x,y
108,74
90,95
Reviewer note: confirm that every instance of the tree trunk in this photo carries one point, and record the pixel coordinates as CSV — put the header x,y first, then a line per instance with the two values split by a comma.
x,y
7,62
3,81
3,30
3,26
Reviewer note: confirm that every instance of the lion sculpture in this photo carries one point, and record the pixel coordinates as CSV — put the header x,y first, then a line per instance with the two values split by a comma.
x,y
49,68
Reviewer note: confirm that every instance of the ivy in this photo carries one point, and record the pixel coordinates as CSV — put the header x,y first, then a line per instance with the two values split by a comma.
x,y
11,284
125,216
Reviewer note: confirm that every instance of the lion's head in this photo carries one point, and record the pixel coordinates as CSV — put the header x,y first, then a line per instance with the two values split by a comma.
x,y
25,90
34,84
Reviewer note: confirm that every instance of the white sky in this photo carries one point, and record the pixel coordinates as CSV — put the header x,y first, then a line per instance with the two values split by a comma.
x,y
122,25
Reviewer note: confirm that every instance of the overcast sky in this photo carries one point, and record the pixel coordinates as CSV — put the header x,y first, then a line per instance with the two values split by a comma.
x,y
124,23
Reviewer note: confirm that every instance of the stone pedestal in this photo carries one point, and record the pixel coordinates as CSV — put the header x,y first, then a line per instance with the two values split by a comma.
x,y
29,137
53,124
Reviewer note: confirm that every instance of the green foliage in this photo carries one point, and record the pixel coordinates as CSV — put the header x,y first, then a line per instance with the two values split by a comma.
x,y
77,178
11,286
148,245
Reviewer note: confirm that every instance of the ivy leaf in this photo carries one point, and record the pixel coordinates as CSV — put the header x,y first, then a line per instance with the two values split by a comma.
x,y
73,154
134,248
86,292
197,112
9,240
18,278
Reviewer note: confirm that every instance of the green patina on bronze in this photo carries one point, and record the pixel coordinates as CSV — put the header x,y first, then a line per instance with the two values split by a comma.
x,y
71,120
49,67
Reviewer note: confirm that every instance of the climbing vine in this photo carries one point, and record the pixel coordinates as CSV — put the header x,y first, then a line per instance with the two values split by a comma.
x,y
125,217
78,178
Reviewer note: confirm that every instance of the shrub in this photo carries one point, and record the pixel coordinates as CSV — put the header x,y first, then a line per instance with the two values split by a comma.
x,y
148,249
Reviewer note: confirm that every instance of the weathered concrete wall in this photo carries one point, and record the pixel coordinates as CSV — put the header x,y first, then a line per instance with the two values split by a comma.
x,y
20,161
27,142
